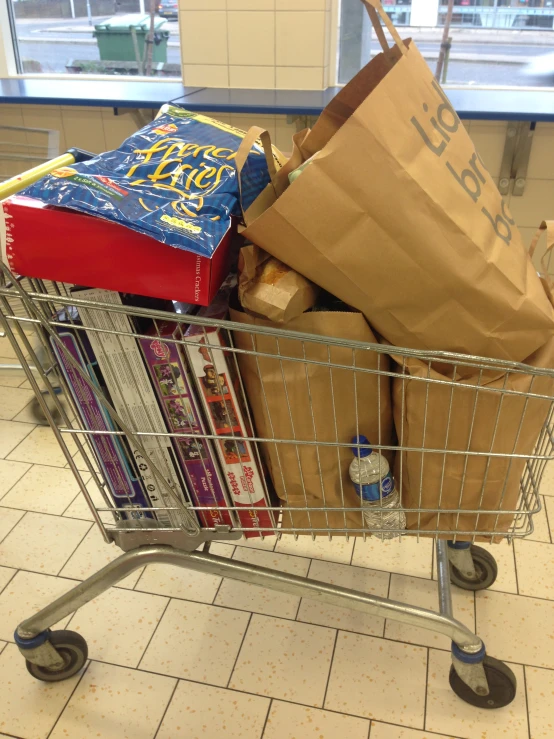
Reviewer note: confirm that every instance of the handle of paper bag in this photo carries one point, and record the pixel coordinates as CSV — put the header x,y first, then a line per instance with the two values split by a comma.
x,y
547,226
374,10
252,136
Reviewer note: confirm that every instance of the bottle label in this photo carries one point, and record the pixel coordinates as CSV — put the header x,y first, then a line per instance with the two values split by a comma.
x,y
371,492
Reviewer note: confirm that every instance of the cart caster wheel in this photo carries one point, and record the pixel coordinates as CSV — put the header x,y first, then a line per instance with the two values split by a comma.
x,y
486,571
38,413
74,650
502,686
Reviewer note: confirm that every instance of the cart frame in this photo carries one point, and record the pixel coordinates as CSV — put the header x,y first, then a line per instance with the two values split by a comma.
x,y
56,655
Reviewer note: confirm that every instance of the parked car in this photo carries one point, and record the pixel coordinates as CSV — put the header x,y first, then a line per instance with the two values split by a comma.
x,y
168,8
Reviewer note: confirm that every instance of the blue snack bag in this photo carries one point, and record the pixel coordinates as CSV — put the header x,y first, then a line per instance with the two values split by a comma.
x,y
174,180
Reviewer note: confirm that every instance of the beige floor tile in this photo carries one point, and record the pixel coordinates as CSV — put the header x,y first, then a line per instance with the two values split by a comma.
x,y
91,555
540,697
10,378
268,543
284,659
547,484
7,350
81,463
178,582
336,550
424,593
376,678
516,628
200,711
41,447
535,569
390,731
43,489
549,506
197,642
79,508
365,580
118,625
246,597
540,523
289,721
405,556
8,519
26,594
32,413
12,434
42,543
10,473
29,708
447,713
12,401
6,574
115,703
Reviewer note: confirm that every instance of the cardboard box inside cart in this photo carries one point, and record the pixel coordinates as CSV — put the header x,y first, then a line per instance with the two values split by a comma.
x,y
37,240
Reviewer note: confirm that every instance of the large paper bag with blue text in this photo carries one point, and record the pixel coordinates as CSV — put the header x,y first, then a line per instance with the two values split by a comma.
x,y
397,215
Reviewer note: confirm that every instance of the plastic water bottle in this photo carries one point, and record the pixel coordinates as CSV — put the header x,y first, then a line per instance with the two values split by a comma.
x,y
370,473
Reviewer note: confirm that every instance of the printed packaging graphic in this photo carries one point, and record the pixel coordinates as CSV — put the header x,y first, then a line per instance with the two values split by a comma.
x,y
112,453
215,380
174,180
120,361
179,406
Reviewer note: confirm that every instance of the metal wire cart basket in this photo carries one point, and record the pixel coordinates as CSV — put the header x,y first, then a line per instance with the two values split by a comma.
x,y
468,445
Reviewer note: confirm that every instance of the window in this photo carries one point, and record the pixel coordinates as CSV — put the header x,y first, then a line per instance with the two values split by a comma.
x,y
492,42
108,37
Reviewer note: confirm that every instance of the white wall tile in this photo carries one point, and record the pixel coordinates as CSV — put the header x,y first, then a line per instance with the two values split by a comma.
x,y
299,78
202,4
84,129
300,38
535,205
203,37
251,38
260,78
206,75
541,160
301,4
250,4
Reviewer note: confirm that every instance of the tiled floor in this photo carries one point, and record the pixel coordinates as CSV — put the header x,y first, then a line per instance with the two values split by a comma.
x,y
177,654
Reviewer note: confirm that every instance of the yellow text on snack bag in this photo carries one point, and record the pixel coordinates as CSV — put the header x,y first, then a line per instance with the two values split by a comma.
x,y
179,223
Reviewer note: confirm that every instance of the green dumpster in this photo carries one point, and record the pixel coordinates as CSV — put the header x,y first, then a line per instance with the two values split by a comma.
x,y
115,38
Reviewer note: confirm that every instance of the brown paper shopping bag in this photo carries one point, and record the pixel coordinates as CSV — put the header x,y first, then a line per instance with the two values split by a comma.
x,y
398,216
486,414
309,400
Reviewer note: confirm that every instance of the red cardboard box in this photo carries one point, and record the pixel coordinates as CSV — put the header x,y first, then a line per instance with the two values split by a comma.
x,y
51,243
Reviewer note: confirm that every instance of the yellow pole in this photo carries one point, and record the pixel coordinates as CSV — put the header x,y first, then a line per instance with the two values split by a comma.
x,y
14,184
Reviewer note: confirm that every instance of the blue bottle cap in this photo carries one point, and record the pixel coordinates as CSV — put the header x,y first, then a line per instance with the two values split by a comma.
x,y
356,451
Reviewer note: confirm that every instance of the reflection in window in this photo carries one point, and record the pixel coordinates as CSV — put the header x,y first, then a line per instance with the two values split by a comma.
x,y
493,42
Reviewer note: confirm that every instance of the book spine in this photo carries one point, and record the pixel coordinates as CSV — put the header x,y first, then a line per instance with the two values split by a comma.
x,y
125,487
215,378
196,455
120,361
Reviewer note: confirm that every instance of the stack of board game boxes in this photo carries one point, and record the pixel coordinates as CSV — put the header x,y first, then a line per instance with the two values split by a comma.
x,y
163,392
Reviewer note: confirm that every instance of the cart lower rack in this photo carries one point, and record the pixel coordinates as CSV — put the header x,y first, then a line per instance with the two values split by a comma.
x,y
267,423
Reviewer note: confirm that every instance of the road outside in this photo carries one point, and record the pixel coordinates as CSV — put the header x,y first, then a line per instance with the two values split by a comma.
x,y
53,43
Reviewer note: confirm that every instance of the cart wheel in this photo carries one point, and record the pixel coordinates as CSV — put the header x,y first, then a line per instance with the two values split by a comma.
x,y
502,686
74,650
38,413
486,571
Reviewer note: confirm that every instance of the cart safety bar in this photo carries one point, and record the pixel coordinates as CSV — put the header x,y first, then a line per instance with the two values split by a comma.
x,y
17,183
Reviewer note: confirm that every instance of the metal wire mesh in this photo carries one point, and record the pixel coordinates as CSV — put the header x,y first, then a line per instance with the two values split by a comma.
x,y
468,447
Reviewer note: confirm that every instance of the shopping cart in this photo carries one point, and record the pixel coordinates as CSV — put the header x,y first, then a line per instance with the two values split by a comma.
x,y
146,537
